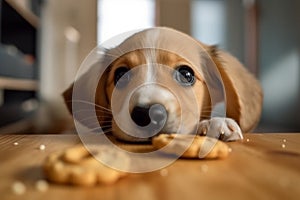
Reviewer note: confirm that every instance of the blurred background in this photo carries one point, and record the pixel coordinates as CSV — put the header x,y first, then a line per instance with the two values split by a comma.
x,y
43,42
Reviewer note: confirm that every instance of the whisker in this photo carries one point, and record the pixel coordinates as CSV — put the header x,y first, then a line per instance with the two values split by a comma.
x,y
105,127
89,103
103,114
97,128
93,118
96,123
91,122
103,110
96,117
97,109
91,110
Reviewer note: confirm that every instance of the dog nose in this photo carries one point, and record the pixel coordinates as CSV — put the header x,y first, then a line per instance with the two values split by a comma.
x,y
154,115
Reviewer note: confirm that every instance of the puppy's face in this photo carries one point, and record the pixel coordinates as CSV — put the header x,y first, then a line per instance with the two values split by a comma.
x,y
152,91
153,82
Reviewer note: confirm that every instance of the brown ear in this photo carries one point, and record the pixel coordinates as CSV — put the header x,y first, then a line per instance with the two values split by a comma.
x,y
243,92
86,98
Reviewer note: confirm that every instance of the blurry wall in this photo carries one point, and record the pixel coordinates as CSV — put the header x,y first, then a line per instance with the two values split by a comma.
x,y
175,14
136,15
235,23
279,50
219,22
68,33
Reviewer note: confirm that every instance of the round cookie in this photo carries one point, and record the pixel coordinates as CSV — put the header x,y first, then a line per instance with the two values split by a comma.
x,y
191,146
77,166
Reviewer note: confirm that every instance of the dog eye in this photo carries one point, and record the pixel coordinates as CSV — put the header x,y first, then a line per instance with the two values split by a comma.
x,y
122,77
184,75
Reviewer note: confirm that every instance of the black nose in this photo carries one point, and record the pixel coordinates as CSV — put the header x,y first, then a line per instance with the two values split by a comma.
x,y
154,115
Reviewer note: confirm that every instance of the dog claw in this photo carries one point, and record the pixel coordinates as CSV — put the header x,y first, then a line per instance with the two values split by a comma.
x,y
222,134
204,131
224,129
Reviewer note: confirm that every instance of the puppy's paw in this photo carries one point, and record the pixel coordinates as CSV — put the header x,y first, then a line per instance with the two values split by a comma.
x,y
225,129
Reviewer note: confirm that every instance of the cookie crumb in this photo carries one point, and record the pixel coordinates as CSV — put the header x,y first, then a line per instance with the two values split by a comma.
x,y
42,147
16,143
18,188
247,140
77,166
283,146
42,185
164,172
284,140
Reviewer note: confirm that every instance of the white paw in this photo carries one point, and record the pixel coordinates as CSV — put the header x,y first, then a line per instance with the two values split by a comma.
x,y
225,129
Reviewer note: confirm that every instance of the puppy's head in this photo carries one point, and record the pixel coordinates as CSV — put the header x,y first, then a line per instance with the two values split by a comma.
x,y
151,91
154,83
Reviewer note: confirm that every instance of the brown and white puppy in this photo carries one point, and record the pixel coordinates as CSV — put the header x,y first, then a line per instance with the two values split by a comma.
x,y
156,82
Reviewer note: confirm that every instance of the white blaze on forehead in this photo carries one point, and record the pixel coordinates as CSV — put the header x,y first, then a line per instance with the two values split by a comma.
x,y
151,39
148,94
151,63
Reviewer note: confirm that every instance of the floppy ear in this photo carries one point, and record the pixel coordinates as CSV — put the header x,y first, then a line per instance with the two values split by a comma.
x,y
89,100
243,92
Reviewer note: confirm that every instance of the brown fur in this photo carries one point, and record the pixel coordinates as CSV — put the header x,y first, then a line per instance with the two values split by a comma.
x,y
243,91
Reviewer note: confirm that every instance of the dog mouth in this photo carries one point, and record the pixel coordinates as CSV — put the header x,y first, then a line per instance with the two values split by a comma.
x,y
142,124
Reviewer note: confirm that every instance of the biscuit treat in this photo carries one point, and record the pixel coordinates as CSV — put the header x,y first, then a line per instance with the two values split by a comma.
x,y
191,146
77,166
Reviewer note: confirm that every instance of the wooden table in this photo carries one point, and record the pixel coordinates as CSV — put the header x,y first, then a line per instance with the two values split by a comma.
x,y
263,166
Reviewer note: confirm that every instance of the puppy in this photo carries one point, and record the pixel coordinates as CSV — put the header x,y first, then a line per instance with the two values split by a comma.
x,y
160,80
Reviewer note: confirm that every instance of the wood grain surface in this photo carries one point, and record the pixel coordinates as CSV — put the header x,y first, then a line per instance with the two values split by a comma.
x,y
263,166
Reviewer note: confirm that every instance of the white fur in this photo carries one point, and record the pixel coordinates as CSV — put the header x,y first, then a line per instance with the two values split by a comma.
x,y
181,118
150,56
217,126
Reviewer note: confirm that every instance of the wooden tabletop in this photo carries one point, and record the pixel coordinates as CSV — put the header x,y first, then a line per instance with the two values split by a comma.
x,y
263,166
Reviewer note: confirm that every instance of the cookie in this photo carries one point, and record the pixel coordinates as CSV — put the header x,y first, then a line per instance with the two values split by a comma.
x,y
191,146
77,166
